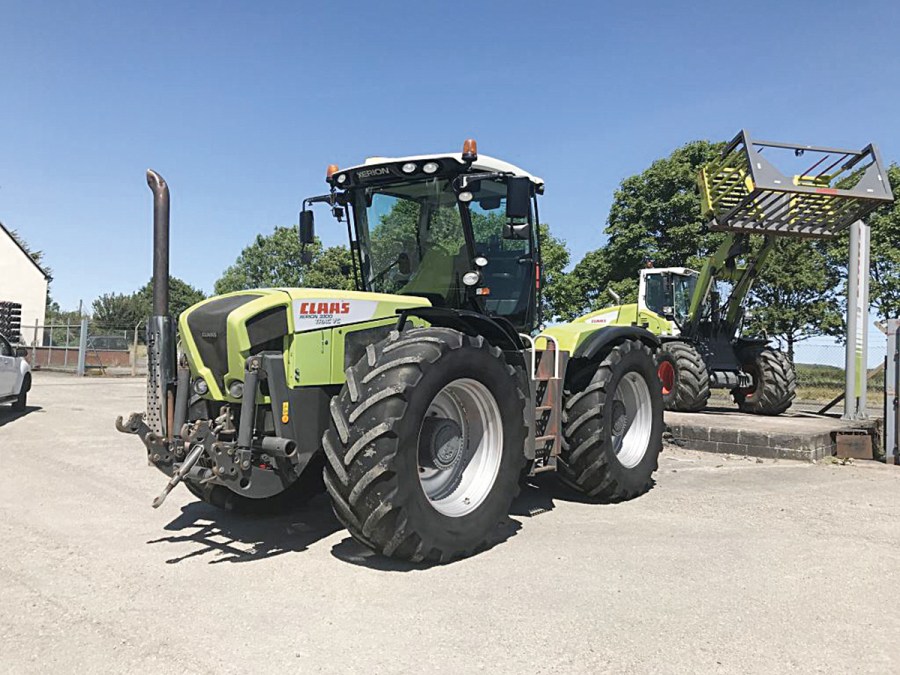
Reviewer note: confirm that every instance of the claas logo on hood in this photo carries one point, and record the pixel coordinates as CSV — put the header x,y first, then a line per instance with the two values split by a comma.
x,y
324,308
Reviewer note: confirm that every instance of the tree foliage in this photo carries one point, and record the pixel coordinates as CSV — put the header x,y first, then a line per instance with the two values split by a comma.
x,y
278,259
884,279
796,294
655,215
118,310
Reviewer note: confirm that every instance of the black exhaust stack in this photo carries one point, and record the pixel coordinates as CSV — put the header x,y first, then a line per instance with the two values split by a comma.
x,y
160,328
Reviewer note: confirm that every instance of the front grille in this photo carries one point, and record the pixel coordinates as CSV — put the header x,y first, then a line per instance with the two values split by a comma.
x,y
209,328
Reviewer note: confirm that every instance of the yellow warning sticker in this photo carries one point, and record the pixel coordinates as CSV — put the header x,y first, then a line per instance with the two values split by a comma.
x,y
285,417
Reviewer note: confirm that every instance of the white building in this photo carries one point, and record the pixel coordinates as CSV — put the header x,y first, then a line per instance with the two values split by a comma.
x,y
22,280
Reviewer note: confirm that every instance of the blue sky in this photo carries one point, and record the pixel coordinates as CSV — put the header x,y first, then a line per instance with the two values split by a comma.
x,y
241,106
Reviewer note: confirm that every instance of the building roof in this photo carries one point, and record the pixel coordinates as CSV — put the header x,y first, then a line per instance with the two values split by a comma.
x,y
22,248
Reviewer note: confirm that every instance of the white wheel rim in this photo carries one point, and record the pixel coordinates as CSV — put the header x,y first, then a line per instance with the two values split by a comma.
x,y
472,469
632,419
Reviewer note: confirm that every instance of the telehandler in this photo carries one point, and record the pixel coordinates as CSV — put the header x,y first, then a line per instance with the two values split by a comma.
x,y
427,394
744,194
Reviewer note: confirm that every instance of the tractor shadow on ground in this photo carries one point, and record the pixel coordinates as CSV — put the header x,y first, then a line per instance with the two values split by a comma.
x,y
538,495
237,538
8,415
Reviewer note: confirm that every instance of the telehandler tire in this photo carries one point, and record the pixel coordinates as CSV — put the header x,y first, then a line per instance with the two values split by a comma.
x,y
307,485
426,445
684,378
612,425
774,382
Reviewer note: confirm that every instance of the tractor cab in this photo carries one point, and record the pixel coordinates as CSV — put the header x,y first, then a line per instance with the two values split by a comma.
x,y
668,291
458,230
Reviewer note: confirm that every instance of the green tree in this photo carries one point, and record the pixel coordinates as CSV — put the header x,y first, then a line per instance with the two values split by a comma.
x,y
795,296
884,271
556,296
181,296
116,310
655,215
278,259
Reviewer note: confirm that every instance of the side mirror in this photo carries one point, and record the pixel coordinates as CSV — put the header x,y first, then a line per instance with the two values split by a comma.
x,y
22,351
307,228
518,208
403,263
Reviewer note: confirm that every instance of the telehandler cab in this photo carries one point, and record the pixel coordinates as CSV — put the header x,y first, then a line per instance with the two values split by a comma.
x,y
427,394
744,194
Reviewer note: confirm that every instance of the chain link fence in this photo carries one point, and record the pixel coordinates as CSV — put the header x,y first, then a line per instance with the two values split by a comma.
x,y
121,351
79,347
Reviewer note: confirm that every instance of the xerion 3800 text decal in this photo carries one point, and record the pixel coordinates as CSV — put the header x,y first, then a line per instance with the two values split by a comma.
x,y
322,312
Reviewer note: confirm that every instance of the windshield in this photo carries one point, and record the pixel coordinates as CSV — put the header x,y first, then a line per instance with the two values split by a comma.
x,y
667,290
412,242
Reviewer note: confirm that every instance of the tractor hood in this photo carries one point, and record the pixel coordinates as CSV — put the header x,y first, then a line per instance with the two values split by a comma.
x,y
218,334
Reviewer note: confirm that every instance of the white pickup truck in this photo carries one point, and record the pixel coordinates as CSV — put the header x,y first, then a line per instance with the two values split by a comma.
x,y
15,375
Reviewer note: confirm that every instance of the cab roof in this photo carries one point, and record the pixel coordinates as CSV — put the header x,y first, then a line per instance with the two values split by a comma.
x,y
483,163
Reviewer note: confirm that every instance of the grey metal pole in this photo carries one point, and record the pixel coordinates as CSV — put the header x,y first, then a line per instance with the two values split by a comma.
x,y
850,403
862,373
34,344
66,355
50,347
891,392
82,348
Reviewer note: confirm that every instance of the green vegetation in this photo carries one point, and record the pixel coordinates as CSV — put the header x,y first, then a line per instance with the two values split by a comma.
x,y
280,260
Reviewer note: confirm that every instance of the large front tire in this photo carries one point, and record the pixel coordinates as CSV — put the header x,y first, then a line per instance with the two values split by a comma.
x,y
612,425
684,377
774,382
426,445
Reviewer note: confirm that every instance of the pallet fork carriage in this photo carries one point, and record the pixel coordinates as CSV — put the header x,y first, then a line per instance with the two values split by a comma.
x,y
421,399
744,194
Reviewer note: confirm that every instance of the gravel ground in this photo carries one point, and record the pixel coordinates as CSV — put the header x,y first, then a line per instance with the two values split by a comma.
x,y
727,565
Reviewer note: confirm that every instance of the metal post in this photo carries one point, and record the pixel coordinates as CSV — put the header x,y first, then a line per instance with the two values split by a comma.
x,y
134,352
50,347
892,394
66,355
857,317
82,347
862,364
34,344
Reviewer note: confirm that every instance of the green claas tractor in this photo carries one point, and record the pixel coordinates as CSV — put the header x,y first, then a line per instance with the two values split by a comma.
x,y
423,398
698,316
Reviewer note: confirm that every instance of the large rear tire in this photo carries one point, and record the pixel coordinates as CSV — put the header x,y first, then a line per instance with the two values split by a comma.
x,y
426,445
612,425
774,382
684,377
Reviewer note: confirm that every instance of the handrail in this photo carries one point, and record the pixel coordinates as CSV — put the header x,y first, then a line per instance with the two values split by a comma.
x,y
533,351
555,342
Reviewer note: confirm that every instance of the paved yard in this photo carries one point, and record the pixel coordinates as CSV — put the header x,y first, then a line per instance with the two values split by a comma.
x,y
727,565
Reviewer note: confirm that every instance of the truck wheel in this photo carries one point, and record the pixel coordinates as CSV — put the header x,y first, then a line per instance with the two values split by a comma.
x,y
774,382
22,402
612,425
426,445
308,485
685,380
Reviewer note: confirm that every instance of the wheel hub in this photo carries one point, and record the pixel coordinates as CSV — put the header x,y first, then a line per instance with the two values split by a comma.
x,y
619,418
442,442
